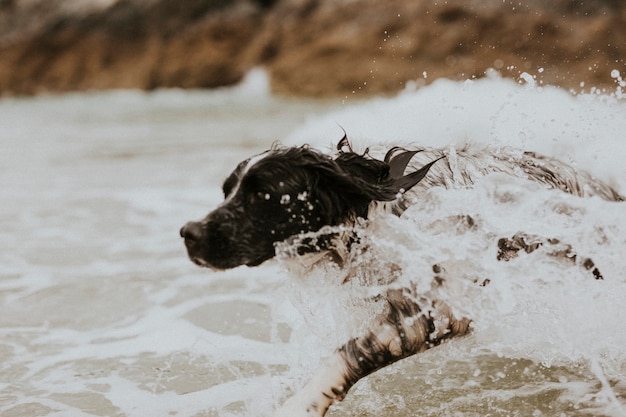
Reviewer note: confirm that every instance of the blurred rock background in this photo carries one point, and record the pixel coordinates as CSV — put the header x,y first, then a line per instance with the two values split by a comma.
x,y
308,47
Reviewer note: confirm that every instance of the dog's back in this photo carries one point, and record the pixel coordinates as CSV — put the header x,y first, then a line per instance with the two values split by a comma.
x,y
464,166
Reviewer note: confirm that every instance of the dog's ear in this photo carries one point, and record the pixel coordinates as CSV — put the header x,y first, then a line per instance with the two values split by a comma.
x,y
351,181
398,158
406,182
380,180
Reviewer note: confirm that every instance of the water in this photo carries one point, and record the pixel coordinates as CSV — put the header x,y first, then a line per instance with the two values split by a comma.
x,y
101,314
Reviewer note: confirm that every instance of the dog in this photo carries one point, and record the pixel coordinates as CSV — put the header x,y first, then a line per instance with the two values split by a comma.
x,y
310,199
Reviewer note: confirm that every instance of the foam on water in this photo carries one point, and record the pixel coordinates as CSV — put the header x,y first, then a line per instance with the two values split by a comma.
x,y
102,314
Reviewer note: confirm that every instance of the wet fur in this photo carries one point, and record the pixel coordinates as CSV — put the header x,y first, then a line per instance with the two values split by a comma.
x,y
288,192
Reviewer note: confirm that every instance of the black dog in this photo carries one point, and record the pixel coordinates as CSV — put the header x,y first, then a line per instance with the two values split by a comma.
x,y
288,192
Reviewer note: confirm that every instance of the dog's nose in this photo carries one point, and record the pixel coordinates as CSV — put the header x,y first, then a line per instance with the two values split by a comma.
x,y
192,231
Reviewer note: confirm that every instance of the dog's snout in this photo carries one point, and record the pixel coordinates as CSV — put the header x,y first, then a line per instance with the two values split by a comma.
x,y
192,231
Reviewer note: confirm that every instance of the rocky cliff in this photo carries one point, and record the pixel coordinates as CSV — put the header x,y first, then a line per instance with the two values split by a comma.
x,y
309,47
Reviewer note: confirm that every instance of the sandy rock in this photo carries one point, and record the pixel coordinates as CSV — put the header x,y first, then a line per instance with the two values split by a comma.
x,y
309,47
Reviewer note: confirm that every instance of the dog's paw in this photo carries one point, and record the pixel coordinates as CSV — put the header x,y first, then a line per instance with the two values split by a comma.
x,y
296,407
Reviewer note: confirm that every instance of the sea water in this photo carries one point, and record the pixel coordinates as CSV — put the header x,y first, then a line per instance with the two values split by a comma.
x,y
101,313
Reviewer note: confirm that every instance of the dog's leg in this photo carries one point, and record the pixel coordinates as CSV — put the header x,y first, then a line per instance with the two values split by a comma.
x,y
403,330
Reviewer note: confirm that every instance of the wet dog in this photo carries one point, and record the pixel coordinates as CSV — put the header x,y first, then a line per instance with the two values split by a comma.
x,y
288,192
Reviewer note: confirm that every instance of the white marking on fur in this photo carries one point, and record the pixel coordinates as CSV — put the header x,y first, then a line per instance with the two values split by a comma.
x,y
251,162
454,166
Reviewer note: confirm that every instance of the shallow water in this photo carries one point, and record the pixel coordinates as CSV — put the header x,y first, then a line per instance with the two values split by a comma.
x,y
101,314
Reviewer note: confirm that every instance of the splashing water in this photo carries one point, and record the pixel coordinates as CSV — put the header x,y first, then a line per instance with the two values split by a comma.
x,y
548,313
548,337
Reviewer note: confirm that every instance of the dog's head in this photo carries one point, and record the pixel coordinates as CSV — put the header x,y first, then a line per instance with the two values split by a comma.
x,y
288,191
